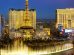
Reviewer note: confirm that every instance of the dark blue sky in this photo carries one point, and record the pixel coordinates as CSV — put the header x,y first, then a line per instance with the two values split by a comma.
x,y
44,8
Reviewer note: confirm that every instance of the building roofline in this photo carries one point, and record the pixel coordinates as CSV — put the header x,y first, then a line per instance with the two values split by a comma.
x,y
21,9
65,8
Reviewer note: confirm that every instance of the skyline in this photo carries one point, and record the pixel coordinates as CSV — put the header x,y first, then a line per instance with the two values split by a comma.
x,y
44,8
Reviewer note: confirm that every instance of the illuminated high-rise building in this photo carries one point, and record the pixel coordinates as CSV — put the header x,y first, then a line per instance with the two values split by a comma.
x,y
25,18
65,18
17,18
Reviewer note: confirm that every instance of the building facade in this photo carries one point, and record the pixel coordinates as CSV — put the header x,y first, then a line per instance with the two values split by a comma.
x,y
1,25
17,18
65,18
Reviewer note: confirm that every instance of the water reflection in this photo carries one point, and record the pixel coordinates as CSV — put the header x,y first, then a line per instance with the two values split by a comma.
x,y
20,48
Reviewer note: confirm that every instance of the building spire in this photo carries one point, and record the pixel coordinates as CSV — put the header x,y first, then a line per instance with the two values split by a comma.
x,y
26,4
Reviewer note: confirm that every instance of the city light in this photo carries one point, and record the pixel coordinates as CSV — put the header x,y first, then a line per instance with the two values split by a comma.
x,y
25,32
68,30
27,51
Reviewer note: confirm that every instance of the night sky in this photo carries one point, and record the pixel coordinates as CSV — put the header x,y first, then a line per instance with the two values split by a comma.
x,y
44,8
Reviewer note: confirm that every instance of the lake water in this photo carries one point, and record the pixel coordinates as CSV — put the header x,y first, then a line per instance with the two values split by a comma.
x,y
18,48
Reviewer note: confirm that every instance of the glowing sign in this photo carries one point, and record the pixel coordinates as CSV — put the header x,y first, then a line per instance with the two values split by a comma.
x,y
68,30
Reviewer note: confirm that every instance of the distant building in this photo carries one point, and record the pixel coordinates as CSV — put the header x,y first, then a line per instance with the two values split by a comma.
x,y
65,18
17,18
47,30
1,24
6,30
45,23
